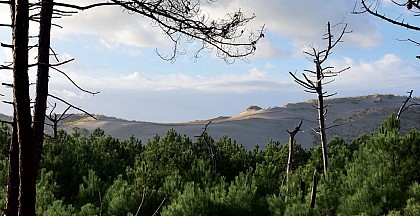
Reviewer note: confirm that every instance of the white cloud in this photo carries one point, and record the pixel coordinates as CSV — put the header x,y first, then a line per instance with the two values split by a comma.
x,y
265,49
254,80
304,20
5,14
300,20
388,73
66,94
269,66
112,26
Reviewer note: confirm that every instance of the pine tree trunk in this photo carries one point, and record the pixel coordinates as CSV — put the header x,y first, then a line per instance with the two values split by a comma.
x,y
42,76
21,101
12,196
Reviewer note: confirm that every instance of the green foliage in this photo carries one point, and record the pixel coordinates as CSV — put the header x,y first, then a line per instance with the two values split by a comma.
x,y
5,139
72,158
81,174
276,205
381,171
122,198
89,191
193,201
232,159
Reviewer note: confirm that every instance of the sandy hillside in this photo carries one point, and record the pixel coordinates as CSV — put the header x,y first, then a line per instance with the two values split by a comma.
x,y
255,125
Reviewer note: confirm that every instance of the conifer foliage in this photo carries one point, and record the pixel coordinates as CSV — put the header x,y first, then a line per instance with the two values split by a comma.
x,y
96,174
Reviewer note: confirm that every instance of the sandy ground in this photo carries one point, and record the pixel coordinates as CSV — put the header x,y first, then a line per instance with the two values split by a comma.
x,y
348,118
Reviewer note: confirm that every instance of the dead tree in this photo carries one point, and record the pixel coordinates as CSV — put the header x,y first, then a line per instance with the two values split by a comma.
x,y
178,19
314,188
292,135
55,119
372,6
315,85
209,145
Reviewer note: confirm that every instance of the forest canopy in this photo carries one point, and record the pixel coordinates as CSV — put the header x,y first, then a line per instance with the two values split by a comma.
x,y
96,174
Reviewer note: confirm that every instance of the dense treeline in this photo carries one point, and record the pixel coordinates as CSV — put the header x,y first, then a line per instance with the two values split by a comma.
x,y
376,174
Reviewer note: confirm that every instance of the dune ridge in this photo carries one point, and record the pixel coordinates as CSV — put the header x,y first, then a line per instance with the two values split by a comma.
x,y
352,116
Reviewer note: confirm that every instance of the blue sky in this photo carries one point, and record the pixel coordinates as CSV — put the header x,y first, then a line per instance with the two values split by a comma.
x,y
115,54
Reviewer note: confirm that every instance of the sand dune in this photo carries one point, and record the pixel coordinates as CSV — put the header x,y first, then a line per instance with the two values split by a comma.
x,y
255,125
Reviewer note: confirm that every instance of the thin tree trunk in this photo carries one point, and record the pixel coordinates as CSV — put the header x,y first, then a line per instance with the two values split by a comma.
x,y
21,99
321,119
292,135
42,76
290,158
314,186
12,196
291,153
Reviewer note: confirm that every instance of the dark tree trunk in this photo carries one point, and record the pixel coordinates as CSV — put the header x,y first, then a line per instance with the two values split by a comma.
x,y
42,76
12,196
21,99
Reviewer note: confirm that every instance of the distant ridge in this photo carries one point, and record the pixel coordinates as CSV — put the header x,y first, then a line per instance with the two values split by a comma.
x,y
256,125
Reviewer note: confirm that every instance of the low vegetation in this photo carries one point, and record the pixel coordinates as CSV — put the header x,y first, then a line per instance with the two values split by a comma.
x,y
376,174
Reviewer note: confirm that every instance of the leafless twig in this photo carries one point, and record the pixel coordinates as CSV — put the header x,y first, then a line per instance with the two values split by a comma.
x,y
57,98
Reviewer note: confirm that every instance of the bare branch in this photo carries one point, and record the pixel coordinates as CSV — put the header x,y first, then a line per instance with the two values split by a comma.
x,y
331,42
384,17
404,106
74,83
60,4
329,95
302,83
179,20
6,45
416,43
57,98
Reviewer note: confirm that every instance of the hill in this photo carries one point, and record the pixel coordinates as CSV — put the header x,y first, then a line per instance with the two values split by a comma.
x,y
348,117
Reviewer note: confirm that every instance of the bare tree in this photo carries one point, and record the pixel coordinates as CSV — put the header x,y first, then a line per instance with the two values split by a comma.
x,y
209,145
315,85
292,135
178,19
412,6
55,119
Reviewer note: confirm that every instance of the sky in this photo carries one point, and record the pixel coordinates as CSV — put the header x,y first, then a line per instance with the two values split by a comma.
x,y
116,54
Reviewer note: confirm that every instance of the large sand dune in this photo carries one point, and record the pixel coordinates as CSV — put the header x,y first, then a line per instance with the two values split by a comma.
x,y
352,117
